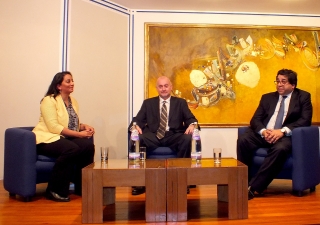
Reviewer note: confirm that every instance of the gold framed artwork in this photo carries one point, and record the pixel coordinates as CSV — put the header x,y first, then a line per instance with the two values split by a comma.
x,y
223,70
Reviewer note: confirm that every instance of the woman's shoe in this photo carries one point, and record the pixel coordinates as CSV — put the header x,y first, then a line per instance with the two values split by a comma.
x,y
55,197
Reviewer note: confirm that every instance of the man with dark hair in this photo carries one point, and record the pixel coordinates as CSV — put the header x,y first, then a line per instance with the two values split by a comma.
x,y
271,127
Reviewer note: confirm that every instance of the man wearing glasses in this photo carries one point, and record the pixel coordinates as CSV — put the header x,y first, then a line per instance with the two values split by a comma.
x,y
271,127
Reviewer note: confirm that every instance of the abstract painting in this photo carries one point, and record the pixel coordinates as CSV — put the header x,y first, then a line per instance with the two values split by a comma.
x,y
222,70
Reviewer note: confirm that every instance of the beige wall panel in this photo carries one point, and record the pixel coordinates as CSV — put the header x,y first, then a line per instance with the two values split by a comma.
x,y
29,57
98,59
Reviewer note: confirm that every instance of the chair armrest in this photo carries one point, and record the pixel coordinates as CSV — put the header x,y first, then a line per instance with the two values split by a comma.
x,y
20,157
241,130
306,159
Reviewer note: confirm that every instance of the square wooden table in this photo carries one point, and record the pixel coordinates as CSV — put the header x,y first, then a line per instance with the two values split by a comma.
x,y
100,179
231,176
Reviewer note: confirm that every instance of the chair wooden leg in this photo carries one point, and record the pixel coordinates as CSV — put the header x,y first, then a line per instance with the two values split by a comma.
x,y
27,199
312,189
297,193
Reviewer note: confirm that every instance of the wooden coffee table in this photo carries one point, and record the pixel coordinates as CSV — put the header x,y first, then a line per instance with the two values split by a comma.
x,y
231,176
99,181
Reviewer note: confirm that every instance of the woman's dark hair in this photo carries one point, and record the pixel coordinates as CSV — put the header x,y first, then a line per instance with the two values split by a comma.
x,y
290,74
57,79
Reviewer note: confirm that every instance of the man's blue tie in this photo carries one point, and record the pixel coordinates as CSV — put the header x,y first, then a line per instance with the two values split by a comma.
x,y
279,120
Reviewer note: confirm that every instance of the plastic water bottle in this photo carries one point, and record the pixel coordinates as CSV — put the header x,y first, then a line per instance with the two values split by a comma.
x,y
134,138
196,143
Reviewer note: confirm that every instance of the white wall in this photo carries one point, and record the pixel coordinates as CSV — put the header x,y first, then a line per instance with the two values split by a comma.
x,y
211,137
31,43
29,57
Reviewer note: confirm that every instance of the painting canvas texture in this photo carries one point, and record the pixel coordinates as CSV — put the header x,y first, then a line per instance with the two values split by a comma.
x,y
222,71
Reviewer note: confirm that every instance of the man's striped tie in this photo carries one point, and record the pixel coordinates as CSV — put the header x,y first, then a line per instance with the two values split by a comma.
x,y
163,121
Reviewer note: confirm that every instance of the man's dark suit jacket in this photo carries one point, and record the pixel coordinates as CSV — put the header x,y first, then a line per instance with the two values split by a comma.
x,y
180,116
299,112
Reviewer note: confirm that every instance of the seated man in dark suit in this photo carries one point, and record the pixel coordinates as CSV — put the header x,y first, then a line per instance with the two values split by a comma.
x,y
271,127
165,120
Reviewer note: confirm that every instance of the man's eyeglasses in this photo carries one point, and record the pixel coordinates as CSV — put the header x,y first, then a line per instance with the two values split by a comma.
x,y
276,82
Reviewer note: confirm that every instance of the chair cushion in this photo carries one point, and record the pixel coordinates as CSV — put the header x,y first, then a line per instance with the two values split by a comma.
x,y
162,151
261,153
44,158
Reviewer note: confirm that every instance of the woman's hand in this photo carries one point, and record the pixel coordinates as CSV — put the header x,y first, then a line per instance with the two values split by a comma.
x,y
85,127
85,134
86,131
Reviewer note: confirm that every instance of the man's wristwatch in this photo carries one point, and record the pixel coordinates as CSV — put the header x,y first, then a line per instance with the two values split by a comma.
x,y
283,131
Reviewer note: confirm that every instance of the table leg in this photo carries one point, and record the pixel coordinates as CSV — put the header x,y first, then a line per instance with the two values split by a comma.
x,y
92,196
238,193
155,180
177,194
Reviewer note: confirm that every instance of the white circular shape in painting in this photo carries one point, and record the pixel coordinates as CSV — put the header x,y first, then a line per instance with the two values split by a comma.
x,y
198,78
248,74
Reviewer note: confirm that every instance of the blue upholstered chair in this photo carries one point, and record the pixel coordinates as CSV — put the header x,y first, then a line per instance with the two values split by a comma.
x,y
302,166
23,168
162,153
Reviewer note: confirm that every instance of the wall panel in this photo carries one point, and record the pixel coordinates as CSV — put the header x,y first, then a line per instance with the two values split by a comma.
x,y
98,58
29,57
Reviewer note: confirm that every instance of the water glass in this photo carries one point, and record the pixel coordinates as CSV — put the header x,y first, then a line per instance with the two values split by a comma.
x,y
217,155
143,153
104,154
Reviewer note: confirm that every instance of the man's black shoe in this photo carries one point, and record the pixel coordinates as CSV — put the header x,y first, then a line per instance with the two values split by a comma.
x,y
250,193
138,190
55,197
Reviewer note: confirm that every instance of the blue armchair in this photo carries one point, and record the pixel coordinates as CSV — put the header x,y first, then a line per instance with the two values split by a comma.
x,y
302,166
23,168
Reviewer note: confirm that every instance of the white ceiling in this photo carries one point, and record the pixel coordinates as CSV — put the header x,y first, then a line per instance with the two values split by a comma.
x,y
310,7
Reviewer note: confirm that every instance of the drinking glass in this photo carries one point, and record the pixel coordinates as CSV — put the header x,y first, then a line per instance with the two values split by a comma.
x,y
143,153
217,155
104,154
